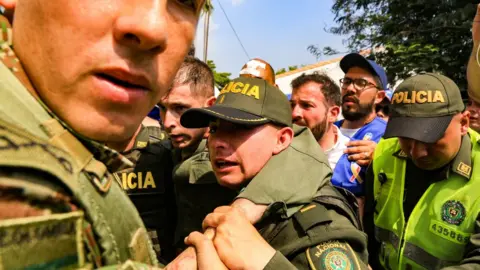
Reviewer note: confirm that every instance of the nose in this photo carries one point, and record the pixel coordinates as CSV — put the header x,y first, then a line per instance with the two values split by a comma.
x,y
170,121
142,26
296,113
418,149
218,140
348,88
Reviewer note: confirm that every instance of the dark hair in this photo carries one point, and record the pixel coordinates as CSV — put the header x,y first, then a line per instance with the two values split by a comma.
x,y
385,107
378,82
197,74
329,88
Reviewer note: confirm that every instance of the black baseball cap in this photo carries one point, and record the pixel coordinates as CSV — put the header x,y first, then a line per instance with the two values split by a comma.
x,y
423,106
357,60
245,101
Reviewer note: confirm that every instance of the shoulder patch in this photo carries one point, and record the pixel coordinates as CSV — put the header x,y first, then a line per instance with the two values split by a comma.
x,y
27,242
332,256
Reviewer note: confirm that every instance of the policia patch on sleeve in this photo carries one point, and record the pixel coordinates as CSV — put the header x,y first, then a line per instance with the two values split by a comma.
x,y
332,256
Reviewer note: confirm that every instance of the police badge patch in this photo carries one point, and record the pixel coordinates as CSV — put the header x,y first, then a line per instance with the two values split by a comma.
x,y
332,256
453,212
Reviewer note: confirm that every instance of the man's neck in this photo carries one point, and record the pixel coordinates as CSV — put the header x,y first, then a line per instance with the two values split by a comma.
x,y
126,145
329,139
187,152
359,123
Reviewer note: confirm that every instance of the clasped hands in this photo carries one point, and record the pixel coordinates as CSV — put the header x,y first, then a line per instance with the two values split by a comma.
x,y
230,241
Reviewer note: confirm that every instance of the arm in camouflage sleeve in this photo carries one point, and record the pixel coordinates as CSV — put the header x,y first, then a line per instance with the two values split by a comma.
x,y
473,71
471,258
275,182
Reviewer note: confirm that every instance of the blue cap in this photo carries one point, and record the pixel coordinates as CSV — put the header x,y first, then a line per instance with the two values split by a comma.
x,y
154,113
357,60
388,94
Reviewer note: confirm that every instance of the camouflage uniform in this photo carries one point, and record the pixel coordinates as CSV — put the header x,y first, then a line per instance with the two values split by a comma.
x,y
59,205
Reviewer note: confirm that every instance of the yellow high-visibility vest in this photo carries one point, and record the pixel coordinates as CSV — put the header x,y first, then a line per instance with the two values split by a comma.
x,y
442,221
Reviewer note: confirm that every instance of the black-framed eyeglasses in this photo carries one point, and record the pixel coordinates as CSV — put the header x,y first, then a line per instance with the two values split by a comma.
x,y
359,83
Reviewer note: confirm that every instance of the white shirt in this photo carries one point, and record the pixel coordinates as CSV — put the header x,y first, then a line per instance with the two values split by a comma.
x,y
334,153
349,132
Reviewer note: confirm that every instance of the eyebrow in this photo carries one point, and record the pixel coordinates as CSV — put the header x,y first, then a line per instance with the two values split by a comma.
x,y
175,103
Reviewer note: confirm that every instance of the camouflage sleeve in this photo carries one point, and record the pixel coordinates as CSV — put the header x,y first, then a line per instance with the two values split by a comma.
x,y
473,70
330,255
39,225
278,181
471,259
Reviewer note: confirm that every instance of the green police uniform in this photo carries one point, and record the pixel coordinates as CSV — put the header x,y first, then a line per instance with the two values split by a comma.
x,y
84,219
424,219
149,185
308,222
197,191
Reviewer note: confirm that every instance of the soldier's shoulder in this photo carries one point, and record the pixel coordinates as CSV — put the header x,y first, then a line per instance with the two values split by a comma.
x,y
22,151
156,133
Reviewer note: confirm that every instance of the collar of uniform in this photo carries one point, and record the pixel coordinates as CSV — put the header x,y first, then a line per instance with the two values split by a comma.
x,y
461,164
142,139
400,154
111,158
202,146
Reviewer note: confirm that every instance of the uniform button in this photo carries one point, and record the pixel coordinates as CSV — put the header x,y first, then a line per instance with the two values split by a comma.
x,y
382,177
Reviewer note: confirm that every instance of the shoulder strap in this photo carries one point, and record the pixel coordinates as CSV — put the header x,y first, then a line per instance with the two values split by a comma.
x,y
342,201
155,134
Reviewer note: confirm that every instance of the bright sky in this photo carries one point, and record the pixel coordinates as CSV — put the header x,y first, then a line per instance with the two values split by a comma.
x,y
278,31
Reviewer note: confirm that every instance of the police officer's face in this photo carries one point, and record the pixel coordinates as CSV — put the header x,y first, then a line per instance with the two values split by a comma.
x,y
101,65
357,104
431,156
310,109
179,99
474,109
238,153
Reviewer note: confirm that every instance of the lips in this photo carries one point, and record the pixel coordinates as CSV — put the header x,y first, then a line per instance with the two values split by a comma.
x,y
176,138
125,78
349,100
122,86
223,165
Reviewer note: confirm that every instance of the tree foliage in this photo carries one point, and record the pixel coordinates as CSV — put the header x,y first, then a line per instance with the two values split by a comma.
x,y
221,78
280,71
408,36
283,70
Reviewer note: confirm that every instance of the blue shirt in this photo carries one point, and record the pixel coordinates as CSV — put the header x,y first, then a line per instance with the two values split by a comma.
x,y
349,174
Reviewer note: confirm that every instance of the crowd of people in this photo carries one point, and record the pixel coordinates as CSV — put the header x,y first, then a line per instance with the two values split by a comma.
x,y
245,180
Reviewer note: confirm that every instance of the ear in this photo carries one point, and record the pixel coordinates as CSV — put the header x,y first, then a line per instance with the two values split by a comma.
x,y
284,138
8,4
209,102
465,122
380,96
333,113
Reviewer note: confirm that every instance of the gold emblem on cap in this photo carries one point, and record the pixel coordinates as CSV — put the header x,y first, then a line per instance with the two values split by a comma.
x,y
422,96
464,169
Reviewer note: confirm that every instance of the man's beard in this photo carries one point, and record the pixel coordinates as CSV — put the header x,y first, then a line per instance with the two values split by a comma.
x,y
362,109
319,129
